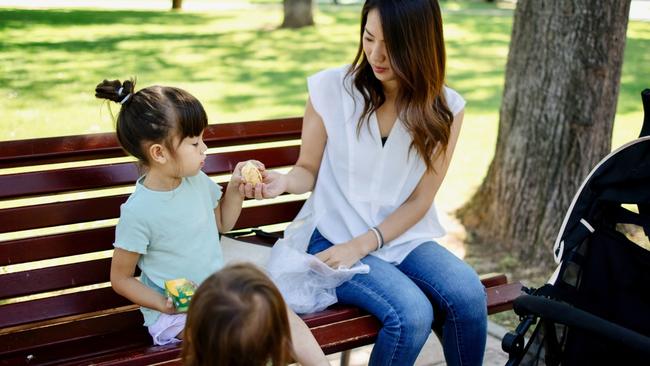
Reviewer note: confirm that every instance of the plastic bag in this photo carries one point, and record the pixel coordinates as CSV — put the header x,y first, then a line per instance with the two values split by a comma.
x,y
306,283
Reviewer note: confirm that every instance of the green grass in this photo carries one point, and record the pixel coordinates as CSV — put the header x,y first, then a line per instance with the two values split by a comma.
x,y
242,68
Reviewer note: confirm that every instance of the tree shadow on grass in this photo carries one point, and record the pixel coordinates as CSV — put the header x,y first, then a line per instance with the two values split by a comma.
x,y
272,64
29,18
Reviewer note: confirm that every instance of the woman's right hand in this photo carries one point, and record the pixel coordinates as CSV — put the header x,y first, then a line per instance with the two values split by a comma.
x,y
273,184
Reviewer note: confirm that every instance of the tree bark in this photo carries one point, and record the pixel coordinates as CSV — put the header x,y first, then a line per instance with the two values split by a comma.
x,y
177,4
298,13
561,87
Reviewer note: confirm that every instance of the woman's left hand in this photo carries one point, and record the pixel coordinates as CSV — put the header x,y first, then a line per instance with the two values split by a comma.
x,y
342,255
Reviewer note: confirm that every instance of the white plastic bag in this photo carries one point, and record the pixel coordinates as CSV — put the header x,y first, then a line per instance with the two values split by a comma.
x,y
306,283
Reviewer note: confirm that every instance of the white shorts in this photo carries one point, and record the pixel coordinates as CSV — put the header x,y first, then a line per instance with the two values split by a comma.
x,y
166,328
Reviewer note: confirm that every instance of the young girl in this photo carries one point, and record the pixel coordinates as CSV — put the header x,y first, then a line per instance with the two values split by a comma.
x,y
377,140
168,226
237,317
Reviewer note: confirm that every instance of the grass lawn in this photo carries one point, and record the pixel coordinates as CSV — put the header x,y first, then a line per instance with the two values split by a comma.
x,y
243,69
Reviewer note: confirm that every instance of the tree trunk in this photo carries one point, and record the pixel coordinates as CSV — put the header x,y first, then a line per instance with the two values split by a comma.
x,y
555,123
298,13
177,4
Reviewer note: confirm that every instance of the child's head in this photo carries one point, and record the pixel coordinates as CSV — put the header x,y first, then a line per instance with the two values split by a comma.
x,y
237,317
154,117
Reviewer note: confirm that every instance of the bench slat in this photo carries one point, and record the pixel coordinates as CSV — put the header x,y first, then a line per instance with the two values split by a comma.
x,y
492,279
60,306
105,145
500,297
60,213
80,351
357,332
110,175
269,214
161,355
54,278
94,240
56,245
67,180
24,341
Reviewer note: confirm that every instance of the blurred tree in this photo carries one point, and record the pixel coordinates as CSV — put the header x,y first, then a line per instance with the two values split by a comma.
x,y
177,4
298,13
561,87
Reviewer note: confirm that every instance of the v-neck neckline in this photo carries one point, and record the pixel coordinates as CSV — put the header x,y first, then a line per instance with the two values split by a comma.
x,y
377,130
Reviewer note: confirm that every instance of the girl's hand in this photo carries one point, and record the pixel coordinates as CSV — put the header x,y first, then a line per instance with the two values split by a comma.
x,y
238,180
342,255
168,306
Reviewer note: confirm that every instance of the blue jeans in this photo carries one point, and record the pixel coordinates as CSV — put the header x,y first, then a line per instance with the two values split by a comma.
x,y
430,288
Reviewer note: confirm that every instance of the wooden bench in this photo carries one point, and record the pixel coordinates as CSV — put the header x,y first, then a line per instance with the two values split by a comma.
x,y
59,200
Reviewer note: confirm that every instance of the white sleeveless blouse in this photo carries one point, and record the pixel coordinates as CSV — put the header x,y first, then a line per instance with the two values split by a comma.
x,y
360,182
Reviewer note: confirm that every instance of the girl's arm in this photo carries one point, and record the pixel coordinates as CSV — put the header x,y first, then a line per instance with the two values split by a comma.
x,y
402,219
229,207
123,282
304,347
302,176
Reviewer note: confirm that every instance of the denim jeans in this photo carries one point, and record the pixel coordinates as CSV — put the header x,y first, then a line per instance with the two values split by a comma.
x,y
430,288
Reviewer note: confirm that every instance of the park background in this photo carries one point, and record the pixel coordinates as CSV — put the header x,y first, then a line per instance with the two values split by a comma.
x,y
234,58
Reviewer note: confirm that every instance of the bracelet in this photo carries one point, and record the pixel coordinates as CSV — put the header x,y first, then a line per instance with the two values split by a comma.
x,y
380,237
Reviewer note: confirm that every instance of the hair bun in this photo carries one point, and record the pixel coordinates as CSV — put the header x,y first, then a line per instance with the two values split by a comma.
x,y
115,90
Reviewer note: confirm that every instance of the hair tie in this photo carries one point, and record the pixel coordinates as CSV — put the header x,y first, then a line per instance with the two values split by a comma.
x,y
119,91
125,98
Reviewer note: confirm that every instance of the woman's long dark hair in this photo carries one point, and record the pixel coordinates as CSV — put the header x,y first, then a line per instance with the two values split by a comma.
x,y
416,50
237,318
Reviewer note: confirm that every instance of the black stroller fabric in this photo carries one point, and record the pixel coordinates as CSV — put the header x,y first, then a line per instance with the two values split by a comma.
x,y
596,310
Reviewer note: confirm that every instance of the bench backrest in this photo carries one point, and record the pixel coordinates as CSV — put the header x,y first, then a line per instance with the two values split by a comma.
x,y
57,227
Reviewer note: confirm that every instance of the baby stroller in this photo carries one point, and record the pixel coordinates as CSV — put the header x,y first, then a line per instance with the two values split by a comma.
x,y
595,309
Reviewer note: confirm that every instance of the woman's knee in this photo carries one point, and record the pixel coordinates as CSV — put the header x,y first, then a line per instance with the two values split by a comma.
x,y
470,300
412,318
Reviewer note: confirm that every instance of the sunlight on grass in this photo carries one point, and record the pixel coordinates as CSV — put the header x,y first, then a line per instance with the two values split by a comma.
x,y
244,68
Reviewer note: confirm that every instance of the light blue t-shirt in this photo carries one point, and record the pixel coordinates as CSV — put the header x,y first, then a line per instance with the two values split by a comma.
x,y
175,232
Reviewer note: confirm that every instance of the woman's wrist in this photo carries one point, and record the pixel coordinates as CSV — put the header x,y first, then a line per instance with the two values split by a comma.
x,y
299,180
285,183
368,243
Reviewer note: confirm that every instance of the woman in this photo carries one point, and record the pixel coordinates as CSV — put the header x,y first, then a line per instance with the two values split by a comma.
x,y
377,140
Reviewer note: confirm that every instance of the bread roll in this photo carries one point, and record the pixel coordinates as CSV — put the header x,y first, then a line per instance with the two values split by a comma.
x,y
250,173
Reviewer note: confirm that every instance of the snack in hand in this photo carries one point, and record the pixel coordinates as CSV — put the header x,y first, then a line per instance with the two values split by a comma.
x,y
251,174
180,291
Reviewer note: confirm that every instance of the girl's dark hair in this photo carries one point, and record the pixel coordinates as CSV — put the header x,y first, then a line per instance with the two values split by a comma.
x,y
155,114
416,50
237,317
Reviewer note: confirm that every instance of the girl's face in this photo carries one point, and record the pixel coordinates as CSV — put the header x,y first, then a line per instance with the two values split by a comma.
x,y
374,48
190,155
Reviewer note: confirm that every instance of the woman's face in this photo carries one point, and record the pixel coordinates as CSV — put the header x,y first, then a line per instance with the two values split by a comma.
x,y
374,48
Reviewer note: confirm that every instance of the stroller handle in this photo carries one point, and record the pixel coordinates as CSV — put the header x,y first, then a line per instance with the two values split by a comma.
x,y
574,317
